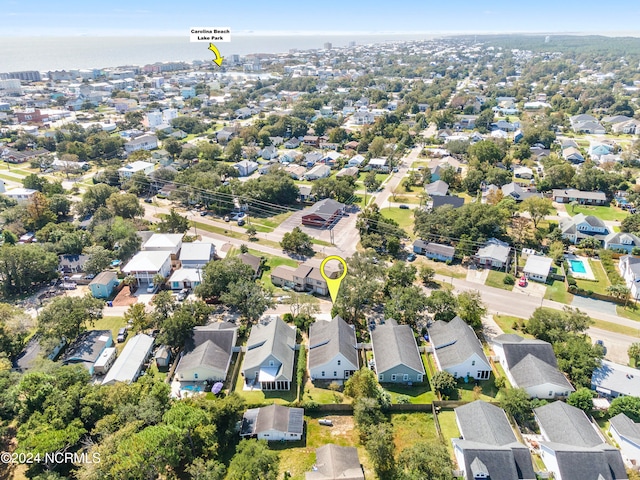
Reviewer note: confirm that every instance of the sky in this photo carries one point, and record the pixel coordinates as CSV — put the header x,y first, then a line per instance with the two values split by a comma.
x,y
161,17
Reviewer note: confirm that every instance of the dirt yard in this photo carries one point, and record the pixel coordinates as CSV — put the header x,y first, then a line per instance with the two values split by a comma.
x,y
124,298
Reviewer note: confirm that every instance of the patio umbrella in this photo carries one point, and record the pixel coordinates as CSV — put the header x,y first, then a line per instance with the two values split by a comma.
x,y
217,387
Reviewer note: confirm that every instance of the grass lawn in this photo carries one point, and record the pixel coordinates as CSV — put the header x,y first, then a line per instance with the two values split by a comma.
x,y
410,428
271,262
601,283
110,323
614,327
230,233
406,198
557,292
505,322
466,392
631,311
448,427
441,268
403,217
495,279
322,394
603,213
419,393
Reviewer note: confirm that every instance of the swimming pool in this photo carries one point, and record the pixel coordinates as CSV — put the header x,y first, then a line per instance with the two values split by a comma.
x,y
192,388
578,266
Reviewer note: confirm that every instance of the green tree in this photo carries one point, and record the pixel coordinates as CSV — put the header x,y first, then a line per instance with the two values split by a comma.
x,y
634,352
248,298
427,274
486,151
23,266
253,460
442,304
14,327
173,222
407,305
359,287
537,207
484,120
125,205
555,326
94,197
377,147
297,242
233,150
218,276
578,358
362,384
172,146
444,383
99,259
380,447
201,469
371,182
630,406
66,317
582,399
137,316
425,460
516,402
471,309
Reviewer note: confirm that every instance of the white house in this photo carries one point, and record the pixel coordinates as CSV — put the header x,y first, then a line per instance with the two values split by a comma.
x,y
129,364
207,353
626,434
246,167
537,268
355,161
457,350
333,354
630,270
145,264
20,195
273,423
583,226
494,254
379,164
131,169
163,242
523,172
185,278
318,171
143,142
196,254
531,364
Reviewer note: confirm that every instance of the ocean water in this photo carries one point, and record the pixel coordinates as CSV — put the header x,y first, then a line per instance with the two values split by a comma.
x,y
59,53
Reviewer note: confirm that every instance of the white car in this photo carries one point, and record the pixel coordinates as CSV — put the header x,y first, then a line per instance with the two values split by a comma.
x,y
151,288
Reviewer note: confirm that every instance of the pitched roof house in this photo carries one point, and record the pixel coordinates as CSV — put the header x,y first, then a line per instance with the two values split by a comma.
x,y
333,354
334,462
583,226
273,423
630,270
488,448
270,353
573,448
626,434
129,364
531,364
568,195
207,353
323,213
537,268
87,348
621,241
494,254
457,350
396,354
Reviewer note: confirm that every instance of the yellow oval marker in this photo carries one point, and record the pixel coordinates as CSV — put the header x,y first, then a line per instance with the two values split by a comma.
x,y
333,283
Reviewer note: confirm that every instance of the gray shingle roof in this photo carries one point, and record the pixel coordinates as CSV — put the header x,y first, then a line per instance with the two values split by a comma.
x,y
273,337
484,423
531,371
87,347
565,424
209,345
328,338
325,208
454,342
336,463
603,462
516,348
512,462
395,345
273,417
626,427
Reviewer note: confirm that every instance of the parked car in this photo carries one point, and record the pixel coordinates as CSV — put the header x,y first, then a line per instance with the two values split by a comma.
x,y
122,335
411,257
523,281
203,213
241,222
148,200
183,294
226,218
404,207
151,288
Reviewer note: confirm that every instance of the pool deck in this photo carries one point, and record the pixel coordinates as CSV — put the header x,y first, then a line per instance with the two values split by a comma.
x,y
588,274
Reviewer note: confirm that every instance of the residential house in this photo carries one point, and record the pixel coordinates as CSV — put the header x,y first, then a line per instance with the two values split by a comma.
x,y
87,348
586,124
531,364
613,380
311,140
437,188
323,213
20,195
494,254
621,241
246,167
583,226
334,462
270,152
630,270
105,361
568,195
185,278
319,171
439,201
573,448
515,191
164,242
573,155
305,193
207,353
523,172
273,423
356,161
333,353
348,172
311,158
254,262
457,350
487,447
379,164
626,433
226,134
103,284
292,143
434,251
268,362
396,355
296,172
130,169
70,264
143,142
129,364
196,254
302,279
538,268
363,118
146,264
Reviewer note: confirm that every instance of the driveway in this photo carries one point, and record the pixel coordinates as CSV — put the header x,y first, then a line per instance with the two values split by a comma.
x,y
477,275
532,289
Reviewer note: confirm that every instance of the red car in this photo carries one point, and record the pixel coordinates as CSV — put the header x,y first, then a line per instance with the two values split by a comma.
x,y
522,282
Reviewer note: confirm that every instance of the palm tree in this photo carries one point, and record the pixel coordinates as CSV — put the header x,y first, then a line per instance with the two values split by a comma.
x,y
574,204
158,279
130,281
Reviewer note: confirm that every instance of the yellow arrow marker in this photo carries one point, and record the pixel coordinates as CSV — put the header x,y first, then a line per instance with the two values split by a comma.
x,y
333,283
216,52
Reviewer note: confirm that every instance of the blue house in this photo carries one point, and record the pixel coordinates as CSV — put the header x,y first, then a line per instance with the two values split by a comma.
x,y
103,284
621,241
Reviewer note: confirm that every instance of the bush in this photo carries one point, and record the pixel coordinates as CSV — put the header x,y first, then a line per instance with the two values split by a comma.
x,y
499,382
509,280
403,399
